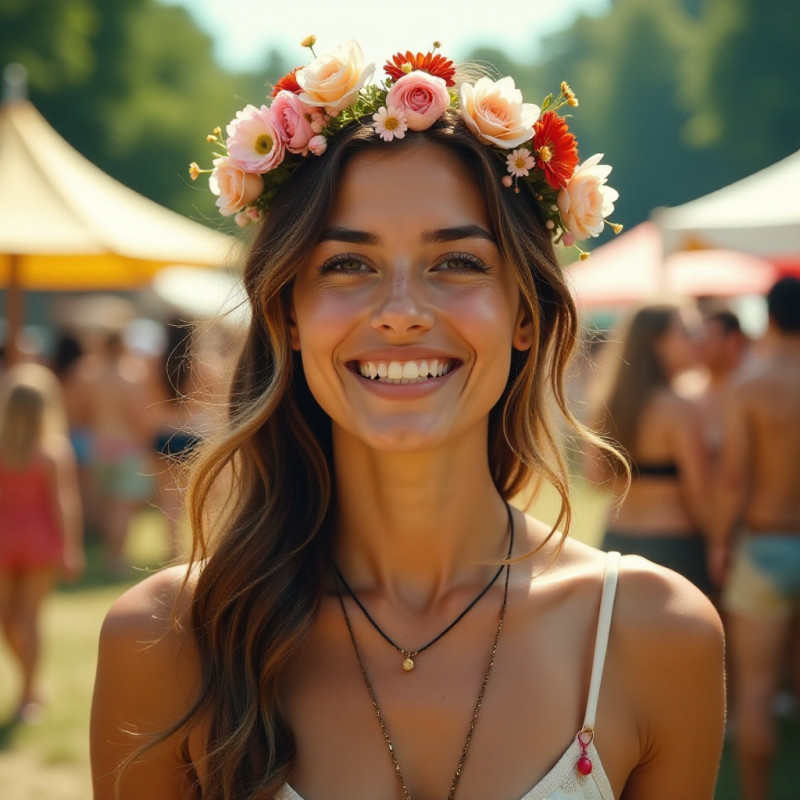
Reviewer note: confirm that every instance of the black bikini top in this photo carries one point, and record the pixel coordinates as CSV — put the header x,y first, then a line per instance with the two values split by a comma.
x,y
663,469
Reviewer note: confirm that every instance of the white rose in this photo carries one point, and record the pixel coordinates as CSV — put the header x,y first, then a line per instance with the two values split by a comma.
x,y
586,201
495,113
333,81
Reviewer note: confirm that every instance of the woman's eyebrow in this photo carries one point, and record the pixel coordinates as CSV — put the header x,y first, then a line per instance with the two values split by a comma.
x,y
435,236
340,234
457,232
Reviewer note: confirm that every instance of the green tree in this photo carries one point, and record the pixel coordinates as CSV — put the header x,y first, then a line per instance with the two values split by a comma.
x,y
52,38
624,68
742,82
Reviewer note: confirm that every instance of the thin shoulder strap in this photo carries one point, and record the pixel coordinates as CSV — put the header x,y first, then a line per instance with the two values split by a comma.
x,y
601,640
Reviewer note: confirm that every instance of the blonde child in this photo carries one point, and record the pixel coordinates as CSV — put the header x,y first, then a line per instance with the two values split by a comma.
x,y
40,513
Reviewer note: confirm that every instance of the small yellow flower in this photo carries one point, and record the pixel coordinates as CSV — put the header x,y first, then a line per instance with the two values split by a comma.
x,y
616,227
568,94
584,255
194,171
309,41
211,138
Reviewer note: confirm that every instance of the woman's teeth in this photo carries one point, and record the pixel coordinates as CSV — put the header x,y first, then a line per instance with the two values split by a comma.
x,y
404,371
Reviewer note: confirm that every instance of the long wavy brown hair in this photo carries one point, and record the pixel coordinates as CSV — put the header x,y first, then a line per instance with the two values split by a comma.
x,y
636,372
265,560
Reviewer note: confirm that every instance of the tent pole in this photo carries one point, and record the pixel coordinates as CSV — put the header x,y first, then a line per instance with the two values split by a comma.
x,y
13,309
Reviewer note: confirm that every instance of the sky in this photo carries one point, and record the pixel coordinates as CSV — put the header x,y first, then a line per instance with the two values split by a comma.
x,y
245,30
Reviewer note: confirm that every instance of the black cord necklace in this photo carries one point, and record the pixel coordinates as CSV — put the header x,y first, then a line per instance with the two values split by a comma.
x,y
410,655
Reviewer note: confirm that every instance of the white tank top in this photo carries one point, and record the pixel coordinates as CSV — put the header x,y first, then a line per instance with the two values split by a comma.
x,y
565,781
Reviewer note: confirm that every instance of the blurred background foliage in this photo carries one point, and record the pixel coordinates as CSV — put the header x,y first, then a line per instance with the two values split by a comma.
x,y
683,96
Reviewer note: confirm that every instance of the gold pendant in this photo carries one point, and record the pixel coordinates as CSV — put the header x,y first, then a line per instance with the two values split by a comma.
x,y
408,663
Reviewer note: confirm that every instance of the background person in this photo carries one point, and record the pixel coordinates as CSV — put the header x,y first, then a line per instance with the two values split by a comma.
x,y
759,490
663,515
722,349
120,411
41,528
75,366
183,419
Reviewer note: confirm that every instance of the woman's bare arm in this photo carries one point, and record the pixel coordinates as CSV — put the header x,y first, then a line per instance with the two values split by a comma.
x,y
691,456
146,677
671,644
67,506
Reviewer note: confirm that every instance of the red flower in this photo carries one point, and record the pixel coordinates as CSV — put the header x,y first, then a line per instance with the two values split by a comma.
x,y
288,82
432,63
555,149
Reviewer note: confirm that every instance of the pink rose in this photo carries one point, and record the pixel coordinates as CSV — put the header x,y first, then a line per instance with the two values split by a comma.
x,y
495,113
422,96
586,201
333,81
294,121
318,144
254,139
234,187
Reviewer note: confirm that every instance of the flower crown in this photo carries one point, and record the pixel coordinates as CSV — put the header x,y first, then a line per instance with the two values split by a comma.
x,y
311,104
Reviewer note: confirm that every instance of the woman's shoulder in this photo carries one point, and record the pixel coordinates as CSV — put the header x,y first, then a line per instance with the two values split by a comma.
x,y
666,400
651,602
55,451
156,607
148,676
657,605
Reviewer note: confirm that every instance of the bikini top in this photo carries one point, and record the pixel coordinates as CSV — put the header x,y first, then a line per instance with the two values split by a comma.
x,y
657,469
565,780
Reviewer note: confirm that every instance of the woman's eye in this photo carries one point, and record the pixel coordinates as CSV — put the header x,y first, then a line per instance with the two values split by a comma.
x,y
461,262
345,264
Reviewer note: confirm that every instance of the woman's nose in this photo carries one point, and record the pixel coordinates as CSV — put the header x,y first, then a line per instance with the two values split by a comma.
x,y
401,306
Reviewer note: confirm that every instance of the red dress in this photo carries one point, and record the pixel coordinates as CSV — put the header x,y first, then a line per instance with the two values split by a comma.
x,y
30,535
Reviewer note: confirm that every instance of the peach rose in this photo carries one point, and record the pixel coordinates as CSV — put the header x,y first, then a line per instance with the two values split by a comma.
x,y
422,96
234,187
333,81
495,113
254,139
586,201
294,121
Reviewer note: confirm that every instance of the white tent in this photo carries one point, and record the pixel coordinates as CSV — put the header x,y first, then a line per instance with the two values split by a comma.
x,y
759,214
631,269
67,226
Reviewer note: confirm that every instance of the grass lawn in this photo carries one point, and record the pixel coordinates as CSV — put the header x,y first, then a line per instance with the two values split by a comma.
x,y
49,761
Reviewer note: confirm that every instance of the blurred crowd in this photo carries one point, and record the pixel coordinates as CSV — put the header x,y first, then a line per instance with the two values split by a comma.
x,y
91,433
709,419
710,422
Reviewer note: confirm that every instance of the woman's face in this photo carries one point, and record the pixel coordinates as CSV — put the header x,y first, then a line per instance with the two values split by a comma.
x,y
404,313
677,347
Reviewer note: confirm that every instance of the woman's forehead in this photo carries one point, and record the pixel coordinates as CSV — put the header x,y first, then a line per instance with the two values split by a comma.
x,y
414,183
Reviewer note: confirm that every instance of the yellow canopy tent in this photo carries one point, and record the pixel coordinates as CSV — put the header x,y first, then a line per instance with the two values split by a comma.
x,y
67,226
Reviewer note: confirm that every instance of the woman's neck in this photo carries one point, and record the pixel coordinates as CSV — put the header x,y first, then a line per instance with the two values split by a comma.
x,y
415,525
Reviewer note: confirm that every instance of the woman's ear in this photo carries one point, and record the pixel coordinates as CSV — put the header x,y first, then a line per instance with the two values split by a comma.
x,y
523,331
294,333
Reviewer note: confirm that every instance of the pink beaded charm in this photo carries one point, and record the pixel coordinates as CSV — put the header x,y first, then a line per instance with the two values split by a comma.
x,y
584,765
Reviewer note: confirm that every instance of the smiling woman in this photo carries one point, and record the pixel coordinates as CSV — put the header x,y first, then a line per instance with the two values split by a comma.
x,y
410,330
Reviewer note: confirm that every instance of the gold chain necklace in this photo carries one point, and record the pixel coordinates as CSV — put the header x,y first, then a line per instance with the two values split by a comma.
x,y
409,655
476,711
